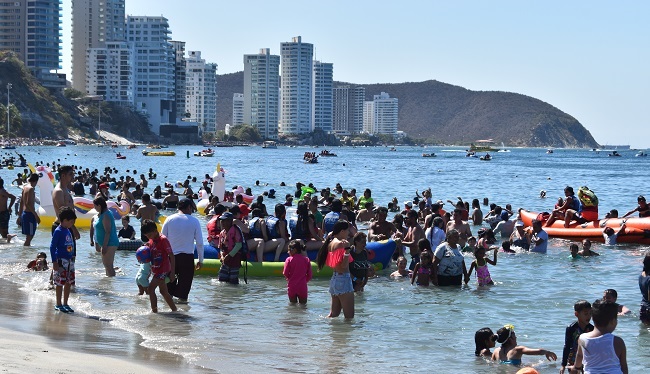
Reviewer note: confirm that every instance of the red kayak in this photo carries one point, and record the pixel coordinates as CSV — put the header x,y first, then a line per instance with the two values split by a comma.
x,y
637,230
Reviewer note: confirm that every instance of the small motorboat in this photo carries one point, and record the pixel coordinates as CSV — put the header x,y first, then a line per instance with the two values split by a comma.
x,y
132,146
204,153
428,155
120,156
327,153
158,153
614,154
487,157
313,160
641,154
61,144
549,151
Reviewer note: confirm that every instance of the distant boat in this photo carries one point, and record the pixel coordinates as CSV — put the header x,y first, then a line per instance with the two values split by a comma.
x,y
428,155
8,146
392,149
269,144
503,148
549,151
641,154
487,157
614,154
484,145
61,144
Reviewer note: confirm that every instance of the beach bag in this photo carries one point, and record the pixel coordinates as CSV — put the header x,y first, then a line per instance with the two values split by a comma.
x,y
587,197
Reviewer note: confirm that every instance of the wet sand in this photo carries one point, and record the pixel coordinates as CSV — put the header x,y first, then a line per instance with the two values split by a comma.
x,y
36,338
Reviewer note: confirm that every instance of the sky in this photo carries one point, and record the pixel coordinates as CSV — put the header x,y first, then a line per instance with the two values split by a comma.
x,y
590,59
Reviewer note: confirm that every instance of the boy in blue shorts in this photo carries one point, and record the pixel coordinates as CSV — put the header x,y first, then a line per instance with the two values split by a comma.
x,y
62,250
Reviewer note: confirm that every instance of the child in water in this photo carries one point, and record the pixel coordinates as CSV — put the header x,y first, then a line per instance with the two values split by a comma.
x,y
510,353
422,270
574,251
360,266
582,311
471,245
401,271
600,350
142,277
480,263
484,340
297,271
505,247
38,264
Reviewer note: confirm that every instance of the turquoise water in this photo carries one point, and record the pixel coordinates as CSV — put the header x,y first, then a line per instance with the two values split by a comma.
x,y
397,326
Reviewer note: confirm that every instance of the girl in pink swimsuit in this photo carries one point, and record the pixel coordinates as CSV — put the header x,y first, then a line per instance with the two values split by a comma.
x,y
482,272
297,271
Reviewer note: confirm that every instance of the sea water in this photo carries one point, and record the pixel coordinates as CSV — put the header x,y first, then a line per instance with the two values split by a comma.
x,y
397,327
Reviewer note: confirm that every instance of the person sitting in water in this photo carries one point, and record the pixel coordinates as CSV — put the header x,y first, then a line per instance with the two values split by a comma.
x,y
570,210
171,200
127,231
365,214
586,249
38,264
643,208
610,295
611,236
510,353
401,271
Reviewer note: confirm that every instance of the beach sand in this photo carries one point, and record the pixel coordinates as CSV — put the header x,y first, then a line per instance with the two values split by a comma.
x,y
35,338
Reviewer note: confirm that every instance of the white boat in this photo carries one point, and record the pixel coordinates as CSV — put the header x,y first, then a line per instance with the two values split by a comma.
x,y
641,154
269,144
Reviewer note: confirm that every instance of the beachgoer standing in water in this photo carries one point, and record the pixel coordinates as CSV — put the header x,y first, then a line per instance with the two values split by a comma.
x,y
335,252
27,216
184,233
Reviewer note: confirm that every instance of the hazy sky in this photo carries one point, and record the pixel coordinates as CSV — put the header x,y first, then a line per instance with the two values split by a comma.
x,y
590,59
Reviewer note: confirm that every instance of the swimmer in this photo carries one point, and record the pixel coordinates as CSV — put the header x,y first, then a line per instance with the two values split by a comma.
x,y
38,264
586,249
484,340
423,269
610,295
573,248
510,353
401,268
542,194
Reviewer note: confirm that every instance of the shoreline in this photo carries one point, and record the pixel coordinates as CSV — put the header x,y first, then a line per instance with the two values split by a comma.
x,y
35,338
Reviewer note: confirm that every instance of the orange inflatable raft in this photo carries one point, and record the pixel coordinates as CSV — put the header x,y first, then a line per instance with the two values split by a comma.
x,y
637,230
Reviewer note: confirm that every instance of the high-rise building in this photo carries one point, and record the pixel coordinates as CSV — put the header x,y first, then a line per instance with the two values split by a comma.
x,y
261,92
347,113
32,29
237,109
380,116
94,22
201,92
110,72
297,87
180,80
322,99
153,70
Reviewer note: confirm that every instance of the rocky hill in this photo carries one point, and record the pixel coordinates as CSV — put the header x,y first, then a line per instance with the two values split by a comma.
x,y
444,113
37,112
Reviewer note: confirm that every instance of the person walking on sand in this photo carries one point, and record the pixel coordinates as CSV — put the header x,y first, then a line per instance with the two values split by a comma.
x,y
184,232
28,218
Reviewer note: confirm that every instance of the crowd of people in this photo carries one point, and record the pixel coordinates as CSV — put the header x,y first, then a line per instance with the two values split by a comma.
x,y
327,221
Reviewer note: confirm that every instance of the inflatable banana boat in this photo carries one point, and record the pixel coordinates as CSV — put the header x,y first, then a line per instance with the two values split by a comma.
x,y
637,230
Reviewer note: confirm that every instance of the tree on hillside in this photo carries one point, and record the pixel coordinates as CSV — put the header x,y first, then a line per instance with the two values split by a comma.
x,y
14,118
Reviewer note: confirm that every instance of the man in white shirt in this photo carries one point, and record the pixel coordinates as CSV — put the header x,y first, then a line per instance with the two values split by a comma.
x,y
183,231
539,240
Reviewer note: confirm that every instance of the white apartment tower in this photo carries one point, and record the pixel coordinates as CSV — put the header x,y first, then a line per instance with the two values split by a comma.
x,y
201,92
380,116
261,93
322,99
347,113
94,22
154,58
237,109
110,72
180,81
297,86
31,29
